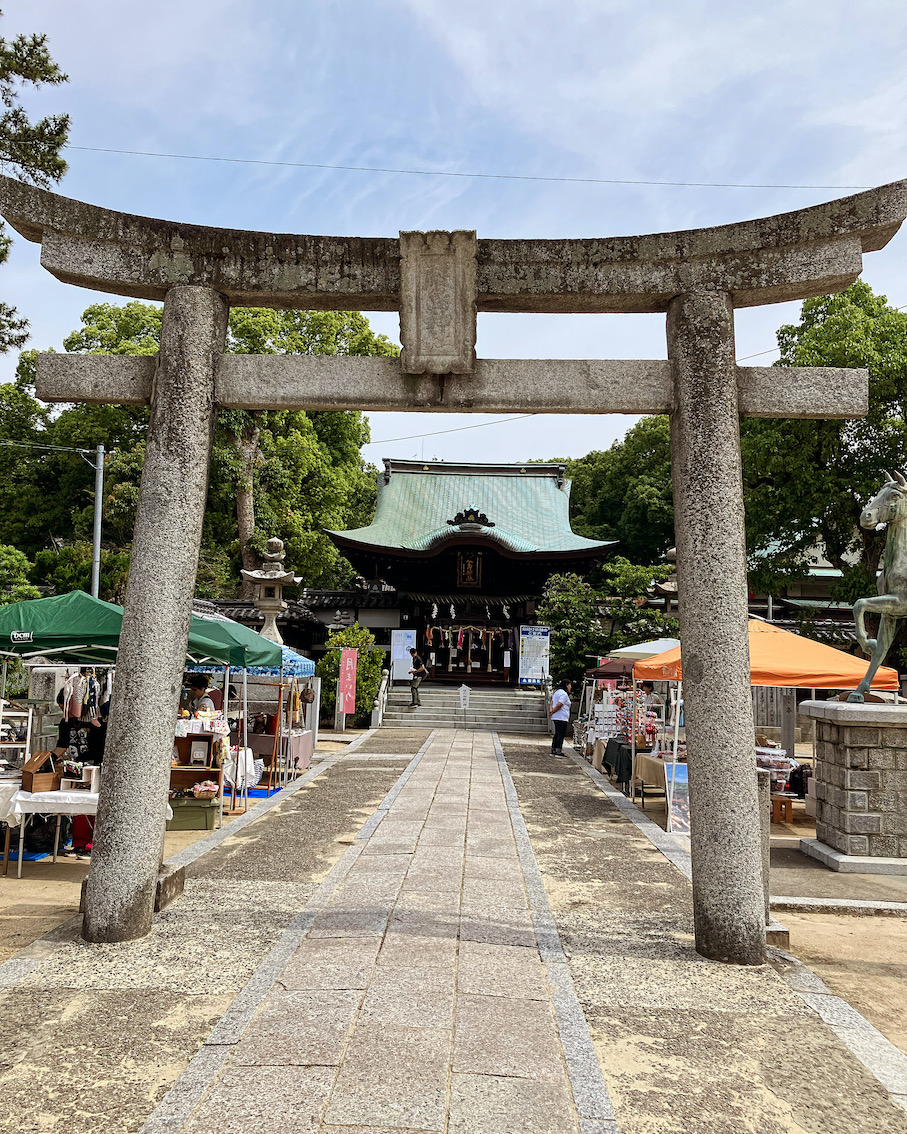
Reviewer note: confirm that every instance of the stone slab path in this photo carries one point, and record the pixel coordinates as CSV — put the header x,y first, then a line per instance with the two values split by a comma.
x,y
427,993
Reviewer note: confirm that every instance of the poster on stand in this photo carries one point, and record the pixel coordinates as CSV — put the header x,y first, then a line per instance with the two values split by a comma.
x,y
677,787
534,647
346,684
402,641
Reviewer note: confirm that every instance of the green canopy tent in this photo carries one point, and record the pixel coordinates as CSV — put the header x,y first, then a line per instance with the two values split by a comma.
x,y
82,630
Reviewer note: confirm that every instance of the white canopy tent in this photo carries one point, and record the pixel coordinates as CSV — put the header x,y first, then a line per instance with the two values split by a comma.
x,y
642,651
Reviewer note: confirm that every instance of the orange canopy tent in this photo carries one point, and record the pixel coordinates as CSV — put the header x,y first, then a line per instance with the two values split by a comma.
x,y
778,657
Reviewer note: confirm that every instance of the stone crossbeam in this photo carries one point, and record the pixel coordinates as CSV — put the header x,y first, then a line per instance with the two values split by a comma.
x,y
303,382
790,256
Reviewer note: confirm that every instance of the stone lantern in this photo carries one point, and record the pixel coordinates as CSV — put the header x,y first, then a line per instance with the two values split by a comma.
x,y
269,581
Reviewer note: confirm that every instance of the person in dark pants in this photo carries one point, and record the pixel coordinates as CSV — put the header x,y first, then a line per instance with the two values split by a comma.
x,y
560,715
419,673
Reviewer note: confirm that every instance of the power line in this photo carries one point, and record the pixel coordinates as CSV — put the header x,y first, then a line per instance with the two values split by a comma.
x,y
454,173
458,429
54,448
758,354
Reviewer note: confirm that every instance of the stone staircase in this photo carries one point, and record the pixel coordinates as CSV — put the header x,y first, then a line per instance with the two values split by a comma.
x,y
501,710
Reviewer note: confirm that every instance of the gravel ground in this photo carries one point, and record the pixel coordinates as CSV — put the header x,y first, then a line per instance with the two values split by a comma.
x,y
687,1046
92,1039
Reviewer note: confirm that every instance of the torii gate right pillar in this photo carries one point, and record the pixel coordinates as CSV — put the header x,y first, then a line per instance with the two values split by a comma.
x,y
728,898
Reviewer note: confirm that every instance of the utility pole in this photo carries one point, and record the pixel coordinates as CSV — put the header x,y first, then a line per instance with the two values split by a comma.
x,y
98,509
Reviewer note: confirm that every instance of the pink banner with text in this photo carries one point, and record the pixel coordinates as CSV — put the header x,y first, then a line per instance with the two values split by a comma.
x,y
346,685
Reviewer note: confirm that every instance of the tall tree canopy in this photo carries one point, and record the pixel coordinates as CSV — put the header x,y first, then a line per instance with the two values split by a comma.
x,y
273,473
806,481
625,492
29,150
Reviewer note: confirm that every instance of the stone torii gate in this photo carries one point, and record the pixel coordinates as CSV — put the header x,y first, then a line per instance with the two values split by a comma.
x,y
438,281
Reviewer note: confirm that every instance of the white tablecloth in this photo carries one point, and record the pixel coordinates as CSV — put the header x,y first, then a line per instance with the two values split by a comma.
x,y
8,789
51,803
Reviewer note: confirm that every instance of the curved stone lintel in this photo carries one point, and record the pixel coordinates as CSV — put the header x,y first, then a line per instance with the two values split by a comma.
x,y
772,259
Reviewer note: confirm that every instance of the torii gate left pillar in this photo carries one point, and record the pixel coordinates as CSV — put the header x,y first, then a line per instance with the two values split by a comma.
x,y
438,281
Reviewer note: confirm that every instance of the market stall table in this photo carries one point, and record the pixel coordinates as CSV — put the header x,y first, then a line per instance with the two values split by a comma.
x,y
24,803
650,773
8,789
618,756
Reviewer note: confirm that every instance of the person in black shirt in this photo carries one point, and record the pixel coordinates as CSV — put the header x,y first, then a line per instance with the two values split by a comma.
x,y
419,673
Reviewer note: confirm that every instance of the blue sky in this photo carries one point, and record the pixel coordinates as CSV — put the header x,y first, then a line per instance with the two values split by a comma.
x,y
800,92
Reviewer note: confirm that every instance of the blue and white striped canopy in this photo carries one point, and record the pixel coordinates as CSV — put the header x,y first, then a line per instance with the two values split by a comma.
x,y
294,665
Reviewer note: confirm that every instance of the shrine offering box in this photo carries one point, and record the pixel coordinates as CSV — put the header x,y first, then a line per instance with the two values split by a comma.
x,y
39,773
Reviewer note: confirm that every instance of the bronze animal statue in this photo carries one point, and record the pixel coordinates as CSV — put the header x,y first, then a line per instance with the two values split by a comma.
x,y
888,506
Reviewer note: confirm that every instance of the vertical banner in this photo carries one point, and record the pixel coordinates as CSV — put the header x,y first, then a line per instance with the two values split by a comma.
x,y
346,684
534,643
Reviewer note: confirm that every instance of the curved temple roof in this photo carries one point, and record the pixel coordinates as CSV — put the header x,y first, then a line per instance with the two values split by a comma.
x,y
793,255
528,506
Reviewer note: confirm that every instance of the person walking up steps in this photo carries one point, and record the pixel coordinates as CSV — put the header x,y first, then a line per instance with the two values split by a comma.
x,y
419,673
560,714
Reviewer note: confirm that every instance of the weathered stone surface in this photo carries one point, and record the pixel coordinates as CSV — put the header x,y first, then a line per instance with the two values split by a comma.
x,y
860,788
728,898
255,382
129,836
438,302
790,256
171,882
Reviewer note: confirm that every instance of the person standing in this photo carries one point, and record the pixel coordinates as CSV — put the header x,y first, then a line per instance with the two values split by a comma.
x,y
419,673
560,715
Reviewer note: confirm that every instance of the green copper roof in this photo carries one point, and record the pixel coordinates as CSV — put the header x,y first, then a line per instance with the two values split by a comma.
x,y
526,506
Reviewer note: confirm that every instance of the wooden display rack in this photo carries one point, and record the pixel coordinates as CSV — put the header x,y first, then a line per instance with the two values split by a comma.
x,y
186,773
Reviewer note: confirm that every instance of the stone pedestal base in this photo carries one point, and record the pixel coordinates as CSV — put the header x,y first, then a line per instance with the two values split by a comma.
x,y
851,863
861,778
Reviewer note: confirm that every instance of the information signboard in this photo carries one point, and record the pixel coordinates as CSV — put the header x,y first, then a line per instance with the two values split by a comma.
x,y
402,641
534,645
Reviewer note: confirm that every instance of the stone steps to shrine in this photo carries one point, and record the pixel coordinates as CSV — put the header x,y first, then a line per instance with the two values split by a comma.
x,y
499,710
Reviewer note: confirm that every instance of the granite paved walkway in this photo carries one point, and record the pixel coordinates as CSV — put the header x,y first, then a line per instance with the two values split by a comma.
x,y
422,996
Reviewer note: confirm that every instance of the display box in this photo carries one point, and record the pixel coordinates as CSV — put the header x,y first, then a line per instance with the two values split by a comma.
x,y
39,773
88,780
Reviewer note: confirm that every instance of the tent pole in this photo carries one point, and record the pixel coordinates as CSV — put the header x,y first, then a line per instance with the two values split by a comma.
x,y
245,723
633,716
224,705
2,704
669,790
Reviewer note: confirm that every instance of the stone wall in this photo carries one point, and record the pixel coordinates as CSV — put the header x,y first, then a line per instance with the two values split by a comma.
x,y
861,783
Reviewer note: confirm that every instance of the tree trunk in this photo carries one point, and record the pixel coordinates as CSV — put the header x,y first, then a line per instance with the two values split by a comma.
x,y
248,453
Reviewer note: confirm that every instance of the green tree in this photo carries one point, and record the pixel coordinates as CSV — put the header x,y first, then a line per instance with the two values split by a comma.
x,y
369,663
295,472
624,590
807,481
285,473
69,569
625,492
588,622
570,607
30,150
14,574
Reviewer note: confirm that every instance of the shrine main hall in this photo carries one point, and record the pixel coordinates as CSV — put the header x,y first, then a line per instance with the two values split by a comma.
x,y
457,554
